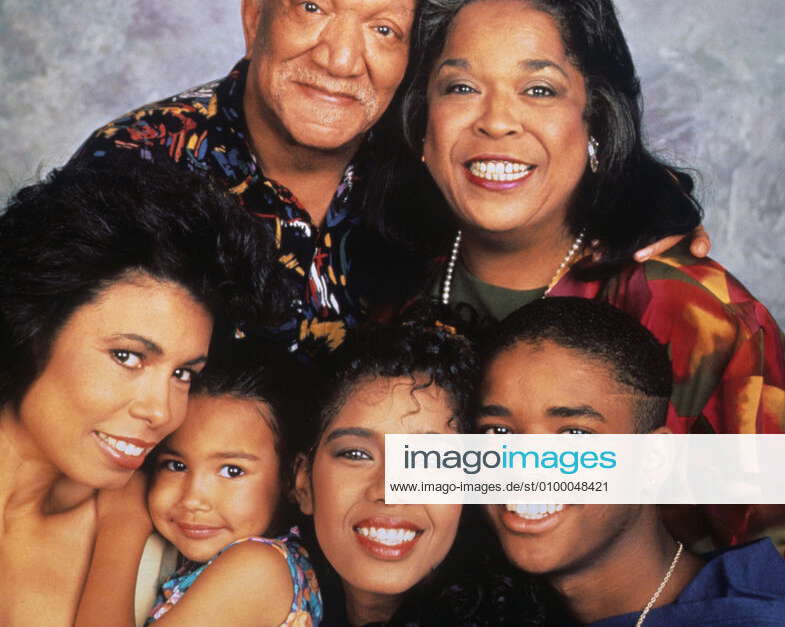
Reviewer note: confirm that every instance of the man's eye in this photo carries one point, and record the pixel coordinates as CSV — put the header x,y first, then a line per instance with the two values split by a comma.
x,y
383,30
354,454
229,471
173,465
494,430
311,7
576,431
126,358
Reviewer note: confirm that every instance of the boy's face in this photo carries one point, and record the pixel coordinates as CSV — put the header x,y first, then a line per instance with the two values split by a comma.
x,y
545,388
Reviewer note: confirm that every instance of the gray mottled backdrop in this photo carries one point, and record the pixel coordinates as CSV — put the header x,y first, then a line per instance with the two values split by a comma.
x,y
713,73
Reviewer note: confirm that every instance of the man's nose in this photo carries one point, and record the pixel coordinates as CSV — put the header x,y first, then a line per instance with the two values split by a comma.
x,y
341,47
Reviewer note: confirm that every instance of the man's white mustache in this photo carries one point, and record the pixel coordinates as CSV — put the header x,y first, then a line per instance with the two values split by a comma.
x,y
352,89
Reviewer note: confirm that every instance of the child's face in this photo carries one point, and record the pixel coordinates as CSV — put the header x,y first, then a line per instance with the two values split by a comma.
x,y
217,478
374,547
545,388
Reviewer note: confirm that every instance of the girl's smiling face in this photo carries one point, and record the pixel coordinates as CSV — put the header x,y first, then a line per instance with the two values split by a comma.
x,y
374,547
506,139
116,381
217,477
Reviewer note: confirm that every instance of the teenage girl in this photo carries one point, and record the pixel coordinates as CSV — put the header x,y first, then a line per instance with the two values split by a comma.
x,y
410,378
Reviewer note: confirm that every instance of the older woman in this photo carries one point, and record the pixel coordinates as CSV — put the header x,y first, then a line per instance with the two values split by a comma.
x,y
528,116
110,284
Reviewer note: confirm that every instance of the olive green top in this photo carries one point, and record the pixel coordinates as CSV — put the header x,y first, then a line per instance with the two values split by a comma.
x,y
488,301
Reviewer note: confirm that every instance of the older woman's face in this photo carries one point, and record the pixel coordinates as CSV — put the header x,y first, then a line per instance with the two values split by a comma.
x,y
117,380
506,138
377,548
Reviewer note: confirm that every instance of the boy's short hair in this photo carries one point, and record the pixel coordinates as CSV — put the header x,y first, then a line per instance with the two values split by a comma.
x,y
602,333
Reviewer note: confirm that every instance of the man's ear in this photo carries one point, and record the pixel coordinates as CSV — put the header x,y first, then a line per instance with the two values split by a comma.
x,y
302,484
251,14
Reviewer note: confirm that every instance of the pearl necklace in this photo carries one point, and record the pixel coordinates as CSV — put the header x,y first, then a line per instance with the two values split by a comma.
x,y
661,587
456,247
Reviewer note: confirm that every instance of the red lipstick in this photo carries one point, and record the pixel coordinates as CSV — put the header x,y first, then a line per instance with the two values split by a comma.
x,y
387,538
475,177
130,458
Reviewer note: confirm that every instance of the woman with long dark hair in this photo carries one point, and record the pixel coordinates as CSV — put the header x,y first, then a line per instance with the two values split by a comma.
x,y
111,283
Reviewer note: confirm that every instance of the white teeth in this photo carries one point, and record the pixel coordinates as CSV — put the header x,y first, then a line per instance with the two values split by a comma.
x,y
534,511
499,170
389,537
121,445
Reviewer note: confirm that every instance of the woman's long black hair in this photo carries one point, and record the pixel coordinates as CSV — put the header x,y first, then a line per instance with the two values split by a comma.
x,y
67,238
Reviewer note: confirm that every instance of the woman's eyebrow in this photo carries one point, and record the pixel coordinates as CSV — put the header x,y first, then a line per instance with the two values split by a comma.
x,y
356,431
151,346
196,361
461,63
148,343
541,64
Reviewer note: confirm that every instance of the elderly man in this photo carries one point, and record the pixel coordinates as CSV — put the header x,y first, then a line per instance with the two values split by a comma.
x,y
281,131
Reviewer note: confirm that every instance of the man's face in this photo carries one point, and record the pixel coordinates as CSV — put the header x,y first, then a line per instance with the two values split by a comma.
x,y
322,73
545,388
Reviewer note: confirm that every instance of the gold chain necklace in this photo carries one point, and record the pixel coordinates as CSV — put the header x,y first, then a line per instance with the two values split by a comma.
x,y
661,587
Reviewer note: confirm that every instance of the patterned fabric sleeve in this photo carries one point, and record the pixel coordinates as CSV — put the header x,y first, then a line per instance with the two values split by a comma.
x,y
306,606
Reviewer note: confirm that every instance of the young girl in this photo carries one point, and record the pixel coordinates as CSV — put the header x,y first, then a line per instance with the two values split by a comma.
x,y
415,378
216,488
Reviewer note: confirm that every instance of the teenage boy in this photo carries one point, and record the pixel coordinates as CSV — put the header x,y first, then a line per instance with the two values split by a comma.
x,y
571,365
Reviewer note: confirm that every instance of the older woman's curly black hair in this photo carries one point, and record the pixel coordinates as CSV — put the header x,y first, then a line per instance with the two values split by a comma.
x,y
67,238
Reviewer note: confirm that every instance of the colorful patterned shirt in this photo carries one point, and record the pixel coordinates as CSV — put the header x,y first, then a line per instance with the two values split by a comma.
x,y
203,130
306,608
